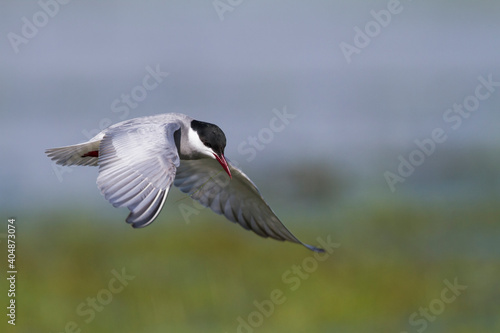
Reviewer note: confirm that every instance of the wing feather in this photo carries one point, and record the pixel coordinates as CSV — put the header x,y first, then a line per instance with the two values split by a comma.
x,y
238,199
137,166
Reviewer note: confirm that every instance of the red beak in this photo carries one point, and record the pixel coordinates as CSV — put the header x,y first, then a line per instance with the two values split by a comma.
x,y
222,160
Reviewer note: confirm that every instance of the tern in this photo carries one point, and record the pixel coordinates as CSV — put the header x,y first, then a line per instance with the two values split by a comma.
x,y
139,160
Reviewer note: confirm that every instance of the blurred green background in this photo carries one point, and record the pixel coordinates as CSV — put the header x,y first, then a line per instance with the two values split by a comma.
x,y
421,258
392,260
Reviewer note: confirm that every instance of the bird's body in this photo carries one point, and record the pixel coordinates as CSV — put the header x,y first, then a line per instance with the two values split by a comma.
x,y
139,160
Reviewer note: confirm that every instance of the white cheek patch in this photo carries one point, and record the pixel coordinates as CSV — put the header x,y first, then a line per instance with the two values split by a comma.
x,y
196,144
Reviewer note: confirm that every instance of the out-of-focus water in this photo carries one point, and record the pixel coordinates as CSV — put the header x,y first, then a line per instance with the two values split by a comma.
x,y
68,81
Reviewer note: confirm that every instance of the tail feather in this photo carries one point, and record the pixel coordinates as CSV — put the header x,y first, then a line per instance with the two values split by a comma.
x,y
81,154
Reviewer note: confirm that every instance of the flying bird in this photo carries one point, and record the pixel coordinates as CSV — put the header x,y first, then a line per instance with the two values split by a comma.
x,y
139,160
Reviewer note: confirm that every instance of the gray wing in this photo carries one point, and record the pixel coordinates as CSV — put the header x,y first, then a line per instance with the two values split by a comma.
x,y
137,165
238,199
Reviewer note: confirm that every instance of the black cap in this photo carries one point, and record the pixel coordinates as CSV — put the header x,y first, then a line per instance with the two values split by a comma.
x,y
211,136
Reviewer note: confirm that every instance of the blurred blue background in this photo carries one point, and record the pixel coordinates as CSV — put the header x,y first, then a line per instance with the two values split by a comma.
x,y
239,63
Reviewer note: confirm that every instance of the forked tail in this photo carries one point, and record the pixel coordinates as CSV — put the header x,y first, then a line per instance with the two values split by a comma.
x,y
81,154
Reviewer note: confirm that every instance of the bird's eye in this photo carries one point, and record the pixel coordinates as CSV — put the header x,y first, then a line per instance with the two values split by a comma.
x,y
208,145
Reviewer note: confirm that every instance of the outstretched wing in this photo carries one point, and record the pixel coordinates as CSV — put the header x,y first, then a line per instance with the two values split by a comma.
x,y
137,165
238,199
